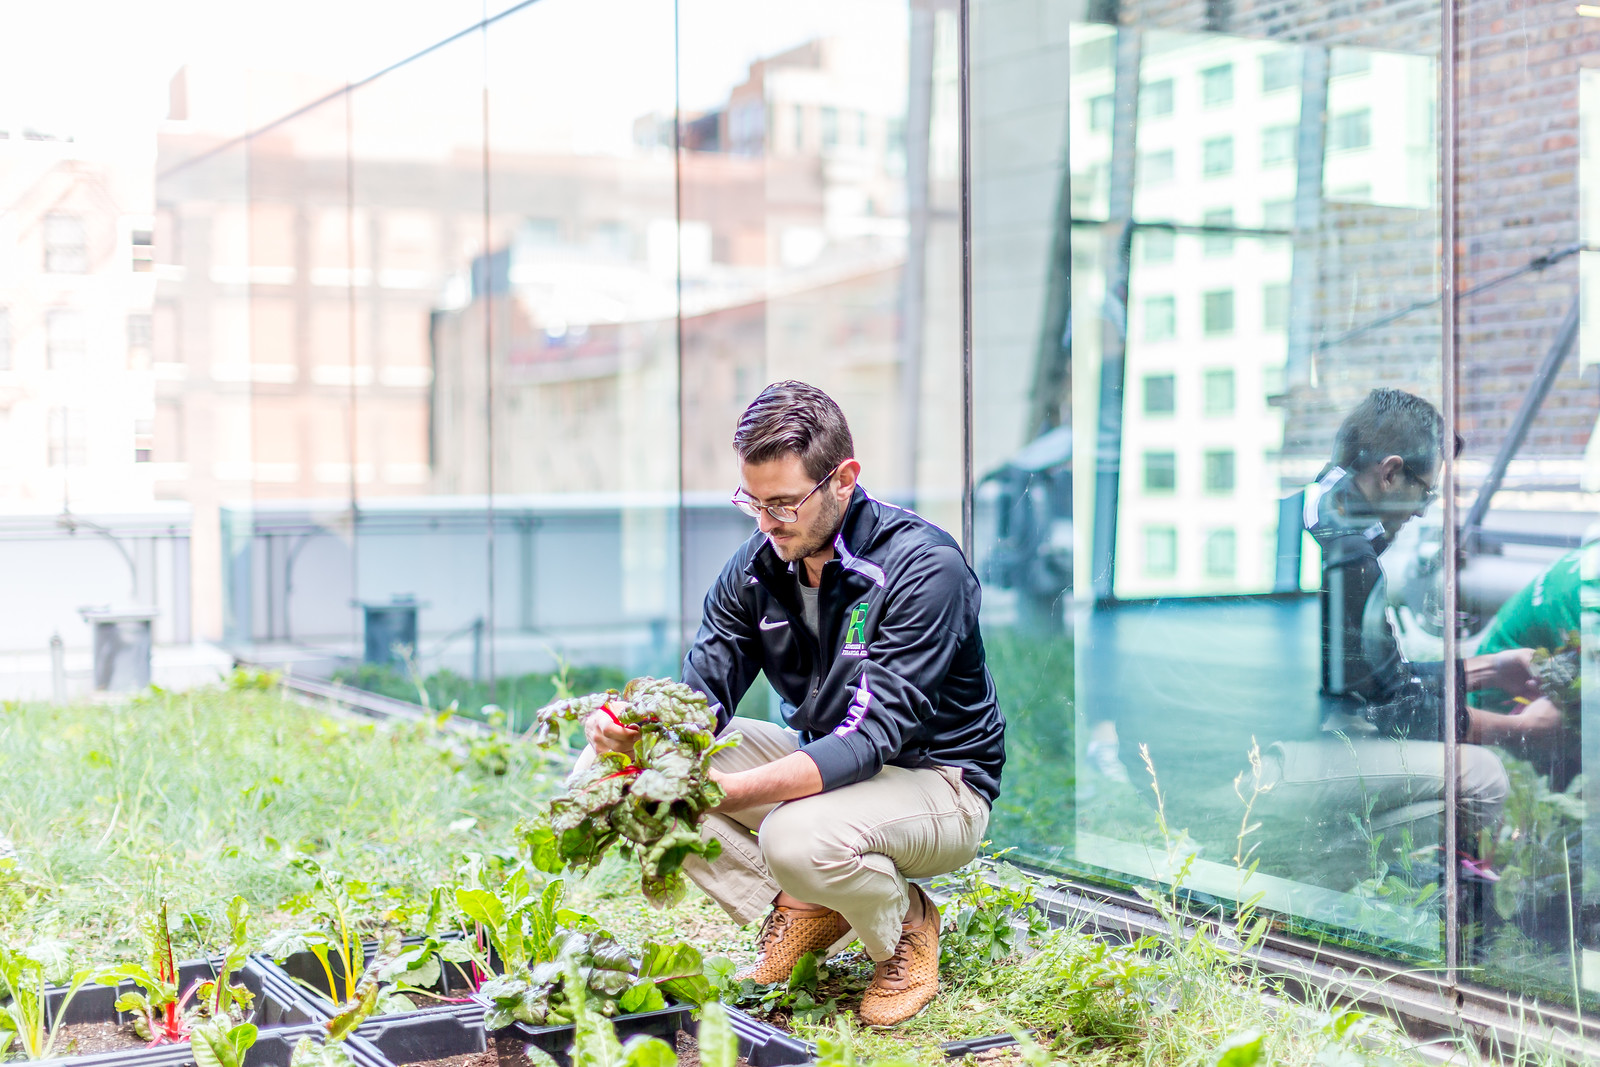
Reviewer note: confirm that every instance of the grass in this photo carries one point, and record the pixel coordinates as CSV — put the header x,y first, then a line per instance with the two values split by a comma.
x,y
519,696
192,797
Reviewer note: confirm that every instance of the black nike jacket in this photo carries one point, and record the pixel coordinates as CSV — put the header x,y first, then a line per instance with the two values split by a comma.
x,y
898,677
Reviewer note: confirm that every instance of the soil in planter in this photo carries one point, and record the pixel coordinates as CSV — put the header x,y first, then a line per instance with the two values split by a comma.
x,y
487,1058
82,1039
689,1051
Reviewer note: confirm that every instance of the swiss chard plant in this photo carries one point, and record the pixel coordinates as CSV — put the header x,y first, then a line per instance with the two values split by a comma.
x,y
161,1013
25,975
515,921
590,967
648,804
340,905
365,1000
595,1041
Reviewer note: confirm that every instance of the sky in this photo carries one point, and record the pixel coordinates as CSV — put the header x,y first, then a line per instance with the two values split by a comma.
x,y
98,70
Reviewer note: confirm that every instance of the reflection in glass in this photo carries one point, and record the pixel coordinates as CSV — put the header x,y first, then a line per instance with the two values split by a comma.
x,y
1186,220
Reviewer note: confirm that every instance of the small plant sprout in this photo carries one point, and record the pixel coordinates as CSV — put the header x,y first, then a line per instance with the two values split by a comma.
x,y
162,1014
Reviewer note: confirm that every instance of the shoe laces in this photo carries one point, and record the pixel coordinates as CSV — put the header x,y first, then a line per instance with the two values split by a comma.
x,y
896,966
772,927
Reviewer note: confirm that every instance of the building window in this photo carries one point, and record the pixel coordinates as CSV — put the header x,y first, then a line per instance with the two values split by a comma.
x,y
830,127
144,431
1219,391
1219,466
140,334
1160,472
67,447
1085,184
64,342
1217,244
1277,145
1217,157
1280,70
1275,307
1353,129
1155,99
1160,551
1160,318
5,339
1156,168
144,250
1216,85
1221,553
1346,61
66,245
1277,215
1217,315
1101,111
1160,394
1157,245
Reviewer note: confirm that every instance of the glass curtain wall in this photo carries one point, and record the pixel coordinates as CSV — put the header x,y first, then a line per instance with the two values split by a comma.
x,y
1215,559
466,342
1528,483
1181,226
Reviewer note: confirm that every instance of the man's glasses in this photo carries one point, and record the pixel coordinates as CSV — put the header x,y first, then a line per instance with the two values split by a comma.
x,y
1430,493
779,512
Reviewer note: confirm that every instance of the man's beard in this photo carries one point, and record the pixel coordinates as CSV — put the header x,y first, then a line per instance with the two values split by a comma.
x,y
819,533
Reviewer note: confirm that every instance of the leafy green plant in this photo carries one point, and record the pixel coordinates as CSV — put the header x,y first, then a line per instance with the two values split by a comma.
x,y
516,919
24,979
648,805
161,1014
1529,848
366,996
989,916
595,1041
799,998
611,981
1559,673
339,904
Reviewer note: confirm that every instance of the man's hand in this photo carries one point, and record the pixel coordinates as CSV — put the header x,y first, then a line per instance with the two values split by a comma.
x,y
1538,725
606,736
1511,670
794,776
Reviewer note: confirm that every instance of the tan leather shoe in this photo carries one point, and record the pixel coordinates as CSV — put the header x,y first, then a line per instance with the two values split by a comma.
x,y
786,935
906,982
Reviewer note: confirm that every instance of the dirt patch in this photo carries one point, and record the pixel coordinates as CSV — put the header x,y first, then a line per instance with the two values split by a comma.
x,y
1000,1056
689,1051
82,1039
487,1058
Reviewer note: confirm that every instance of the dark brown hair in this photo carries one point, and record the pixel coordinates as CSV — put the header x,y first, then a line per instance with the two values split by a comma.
x,y
793,417
1390,422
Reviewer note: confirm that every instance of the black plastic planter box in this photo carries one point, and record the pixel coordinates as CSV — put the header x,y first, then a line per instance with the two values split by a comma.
x,y
417,1038
760,1044
955,1050
302,970
276,1006
273,1048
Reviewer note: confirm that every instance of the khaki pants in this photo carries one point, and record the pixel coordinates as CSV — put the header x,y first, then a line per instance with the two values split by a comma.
x,y
1340,794
850,849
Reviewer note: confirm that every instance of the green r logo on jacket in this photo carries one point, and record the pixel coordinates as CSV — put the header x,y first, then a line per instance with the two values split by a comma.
x,y
856,633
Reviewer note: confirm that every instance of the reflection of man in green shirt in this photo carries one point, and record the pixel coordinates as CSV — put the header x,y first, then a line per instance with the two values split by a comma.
x,y
1543,615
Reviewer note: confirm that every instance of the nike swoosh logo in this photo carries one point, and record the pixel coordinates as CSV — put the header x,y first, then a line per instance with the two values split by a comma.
x,y
770,624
